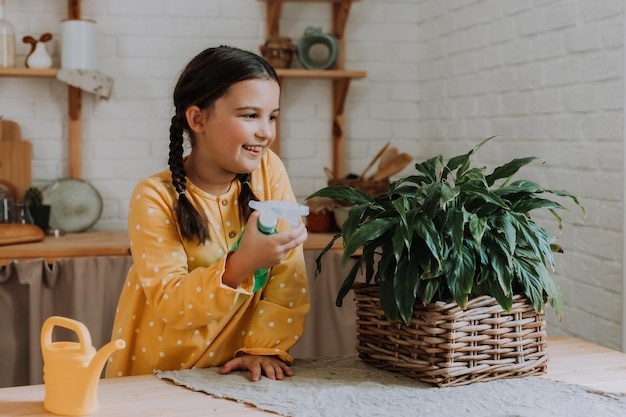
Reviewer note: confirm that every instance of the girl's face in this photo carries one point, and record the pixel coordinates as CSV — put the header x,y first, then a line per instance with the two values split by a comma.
x,y
234,135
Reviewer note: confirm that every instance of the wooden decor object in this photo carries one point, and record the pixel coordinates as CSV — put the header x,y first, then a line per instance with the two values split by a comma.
x,y
15,164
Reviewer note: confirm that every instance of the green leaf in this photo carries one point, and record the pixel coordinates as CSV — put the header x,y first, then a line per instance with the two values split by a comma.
x,y
460,276
367,232
402,206
348,282
522,187
533,203
448,194
526,232
536,240
455,226
462,161
474,176
554,295
503,224
406,288
456,161
400,244
356,214
428,265
429,168
410,183
343,193
493,289
387,295
387,261
500,261
563,193
429,290
530,277
318,260
432,198
477,227
369,255
509,169
483,194
426,230
403,231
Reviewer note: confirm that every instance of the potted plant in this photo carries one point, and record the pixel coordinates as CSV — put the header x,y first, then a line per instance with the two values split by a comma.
x,y
40,212
453,262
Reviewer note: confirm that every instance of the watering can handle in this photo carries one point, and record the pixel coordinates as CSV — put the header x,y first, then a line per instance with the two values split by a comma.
x,y
79,328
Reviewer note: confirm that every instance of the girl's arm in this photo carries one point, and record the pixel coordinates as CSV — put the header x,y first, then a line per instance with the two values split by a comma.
x,y
278,322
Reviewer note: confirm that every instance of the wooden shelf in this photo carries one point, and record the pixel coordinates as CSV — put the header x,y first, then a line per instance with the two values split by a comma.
x,y
339,76
28,72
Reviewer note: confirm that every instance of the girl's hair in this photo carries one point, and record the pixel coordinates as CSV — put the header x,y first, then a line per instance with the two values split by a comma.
x,y
206,78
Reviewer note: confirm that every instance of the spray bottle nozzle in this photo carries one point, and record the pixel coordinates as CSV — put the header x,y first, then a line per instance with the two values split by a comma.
x,y
279,209
271,211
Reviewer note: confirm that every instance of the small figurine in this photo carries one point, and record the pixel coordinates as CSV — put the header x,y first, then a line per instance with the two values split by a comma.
x,y
38,57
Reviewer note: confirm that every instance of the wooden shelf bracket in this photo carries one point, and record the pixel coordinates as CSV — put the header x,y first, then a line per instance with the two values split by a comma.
x,y
74,126
339,76
272,17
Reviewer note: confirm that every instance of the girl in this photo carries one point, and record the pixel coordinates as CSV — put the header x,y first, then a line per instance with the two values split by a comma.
x,y
188,299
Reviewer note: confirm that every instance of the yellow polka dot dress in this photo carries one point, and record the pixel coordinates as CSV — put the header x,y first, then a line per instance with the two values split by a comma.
x,y
174,312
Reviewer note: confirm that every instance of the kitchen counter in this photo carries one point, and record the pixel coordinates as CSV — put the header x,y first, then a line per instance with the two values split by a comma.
x,y
71,245
102,243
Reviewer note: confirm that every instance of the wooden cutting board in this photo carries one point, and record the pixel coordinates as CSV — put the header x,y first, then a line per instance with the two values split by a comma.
x,y
10,130
15,164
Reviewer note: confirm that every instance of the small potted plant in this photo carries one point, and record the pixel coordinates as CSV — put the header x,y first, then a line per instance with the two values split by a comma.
x,y
40,212
457,273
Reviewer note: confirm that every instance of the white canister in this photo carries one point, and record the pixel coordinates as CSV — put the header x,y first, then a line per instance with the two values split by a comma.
x,y
78,44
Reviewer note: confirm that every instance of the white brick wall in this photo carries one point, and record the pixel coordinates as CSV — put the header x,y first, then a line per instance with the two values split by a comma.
x,y
545,75
548,77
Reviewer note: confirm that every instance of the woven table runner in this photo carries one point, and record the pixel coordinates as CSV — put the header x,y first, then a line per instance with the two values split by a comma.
x,y
344,386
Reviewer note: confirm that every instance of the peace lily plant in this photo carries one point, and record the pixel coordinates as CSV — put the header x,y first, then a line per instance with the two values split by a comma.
x,y
451,232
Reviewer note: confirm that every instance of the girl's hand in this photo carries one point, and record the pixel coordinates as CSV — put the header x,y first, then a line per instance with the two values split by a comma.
x,y
270,366
257,250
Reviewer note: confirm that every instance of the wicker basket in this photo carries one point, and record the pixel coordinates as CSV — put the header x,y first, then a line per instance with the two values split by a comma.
x,y
446,346
369,187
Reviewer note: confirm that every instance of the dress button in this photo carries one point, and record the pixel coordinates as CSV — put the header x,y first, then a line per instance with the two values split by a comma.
x,y
232,234
224,202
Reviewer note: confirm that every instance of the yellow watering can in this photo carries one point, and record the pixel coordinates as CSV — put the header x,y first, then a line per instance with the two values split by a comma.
x,y
71,370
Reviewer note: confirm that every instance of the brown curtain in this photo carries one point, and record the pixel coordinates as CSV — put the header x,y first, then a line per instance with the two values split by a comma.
x,y
330,330
84,289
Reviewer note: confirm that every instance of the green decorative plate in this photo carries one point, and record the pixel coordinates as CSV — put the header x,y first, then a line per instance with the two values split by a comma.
x,y
75,205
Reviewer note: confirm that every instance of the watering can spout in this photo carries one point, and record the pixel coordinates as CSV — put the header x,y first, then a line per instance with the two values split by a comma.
x,y
97,363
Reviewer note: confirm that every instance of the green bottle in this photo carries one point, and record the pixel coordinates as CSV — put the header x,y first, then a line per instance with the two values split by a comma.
x,y
266,225
268,219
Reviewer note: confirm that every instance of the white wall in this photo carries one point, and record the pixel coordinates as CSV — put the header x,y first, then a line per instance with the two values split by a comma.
x,y
545,75
548,77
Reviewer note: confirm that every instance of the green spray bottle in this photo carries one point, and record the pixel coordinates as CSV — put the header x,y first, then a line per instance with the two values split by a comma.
x,y
270,212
